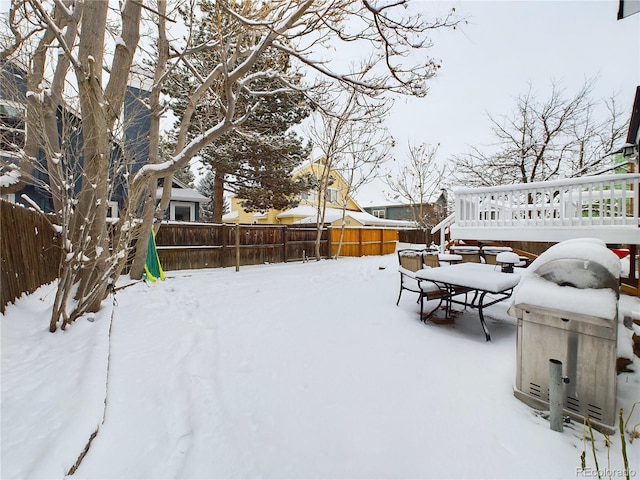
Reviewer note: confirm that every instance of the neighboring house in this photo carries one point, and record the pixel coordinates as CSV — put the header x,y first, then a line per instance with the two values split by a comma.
x,y
132,150
307,210
627,155
184,205
433,212
632,146
13,91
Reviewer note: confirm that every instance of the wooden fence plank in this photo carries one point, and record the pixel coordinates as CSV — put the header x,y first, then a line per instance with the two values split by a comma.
x,y
29,252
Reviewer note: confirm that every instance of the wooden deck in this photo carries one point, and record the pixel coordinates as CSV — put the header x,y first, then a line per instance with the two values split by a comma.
x,y
606,207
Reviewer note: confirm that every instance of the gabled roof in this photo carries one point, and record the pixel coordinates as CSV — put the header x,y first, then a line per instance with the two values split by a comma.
x,y
334,214
626,8
299,211
634,123
322,161
180,192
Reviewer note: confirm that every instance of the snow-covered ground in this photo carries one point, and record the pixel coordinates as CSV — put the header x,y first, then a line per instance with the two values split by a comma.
x,y
302,370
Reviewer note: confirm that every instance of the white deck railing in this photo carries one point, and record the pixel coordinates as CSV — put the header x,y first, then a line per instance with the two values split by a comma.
x,y
604,206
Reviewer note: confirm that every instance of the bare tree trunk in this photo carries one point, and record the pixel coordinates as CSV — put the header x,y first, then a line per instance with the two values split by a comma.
x,y
218,197
322,206
149,199
85,263
91,211
341,239
88,266
140,257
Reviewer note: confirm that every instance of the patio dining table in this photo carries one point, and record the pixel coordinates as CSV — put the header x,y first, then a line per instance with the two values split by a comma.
x,y
488,284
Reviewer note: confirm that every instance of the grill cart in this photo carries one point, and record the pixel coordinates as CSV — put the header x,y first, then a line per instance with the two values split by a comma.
x,y
567,311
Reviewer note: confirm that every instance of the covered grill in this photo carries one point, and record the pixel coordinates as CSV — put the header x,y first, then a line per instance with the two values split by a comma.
x,y
566,308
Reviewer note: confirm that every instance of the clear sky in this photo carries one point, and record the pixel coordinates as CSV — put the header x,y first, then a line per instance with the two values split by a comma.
x,y
505,46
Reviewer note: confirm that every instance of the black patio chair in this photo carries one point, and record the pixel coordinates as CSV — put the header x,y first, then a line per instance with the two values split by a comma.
x,y
410,261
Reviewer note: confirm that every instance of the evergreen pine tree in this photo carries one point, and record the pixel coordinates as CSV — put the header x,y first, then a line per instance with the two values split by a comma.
x,y
205,188
186,176
255,161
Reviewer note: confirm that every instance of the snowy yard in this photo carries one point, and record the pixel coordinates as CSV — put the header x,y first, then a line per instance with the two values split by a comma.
x,y
302,370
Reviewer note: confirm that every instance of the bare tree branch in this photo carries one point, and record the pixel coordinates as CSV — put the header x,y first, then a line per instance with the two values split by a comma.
x,y
546,138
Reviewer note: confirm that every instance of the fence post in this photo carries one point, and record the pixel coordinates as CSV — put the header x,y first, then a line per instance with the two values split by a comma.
x,y
360,242
285,242
224,252
381,241
237,247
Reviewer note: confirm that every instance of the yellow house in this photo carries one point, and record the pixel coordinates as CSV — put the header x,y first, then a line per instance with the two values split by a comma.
x,y
306,211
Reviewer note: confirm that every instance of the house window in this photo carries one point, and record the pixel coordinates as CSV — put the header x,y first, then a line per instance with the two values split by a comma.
x,y
112,209
311,196
378,213
332,195
9,197
182,212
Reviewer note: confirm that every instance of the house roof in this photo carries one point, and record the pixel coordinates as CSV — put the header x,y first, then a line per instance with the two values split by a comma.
x,y
634,123
183,194
433,198
180,192
230,216
334,214
299,211
307,214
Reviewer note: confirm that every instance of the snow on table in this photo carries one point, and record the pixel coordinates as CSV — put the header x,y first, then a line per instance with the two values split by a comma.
x,y
477,276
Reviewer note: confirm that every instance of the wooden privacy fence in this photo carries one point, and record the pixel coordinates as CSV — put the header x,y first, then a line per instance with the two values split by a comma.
x,y
191,246
29,252
417,236
364,241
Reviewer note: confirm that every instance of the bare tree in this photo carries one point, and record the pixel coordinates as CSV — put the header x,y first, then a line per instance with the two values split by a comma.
x,y
77,44
88,265
347,132
369,149
419,183
326,134
560,136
